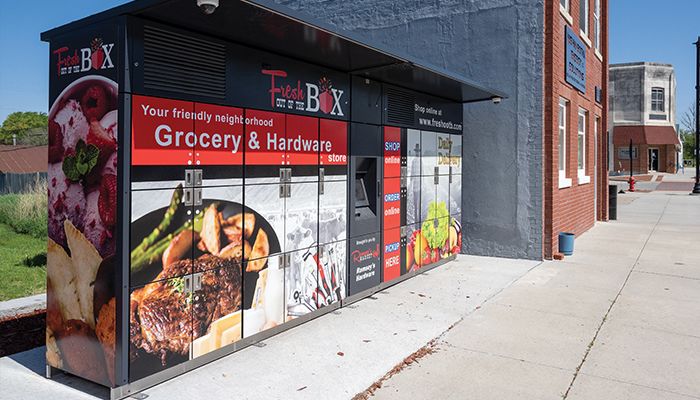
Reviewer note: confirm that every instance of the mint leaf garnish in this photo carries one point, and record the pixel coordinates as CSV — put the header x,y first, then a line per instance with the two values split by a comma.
x,y
80,164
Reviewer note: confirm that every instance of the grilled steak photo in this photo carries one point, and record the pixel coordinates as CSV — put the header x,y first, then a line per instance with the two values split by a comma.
x,y
165,318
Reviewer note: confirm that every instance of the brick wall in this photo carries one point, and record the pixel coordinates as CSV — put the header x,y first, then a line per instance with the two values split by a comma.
x,y
640,165
573,209
669,152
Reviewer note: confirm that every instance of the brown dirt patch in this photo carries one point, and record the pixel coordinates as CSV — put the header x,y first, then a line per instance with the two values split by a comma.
x,y
22,332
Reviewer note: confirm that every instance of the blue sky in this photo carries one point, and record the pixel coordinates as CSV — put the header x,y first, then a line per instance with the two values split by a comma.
x,y
640,30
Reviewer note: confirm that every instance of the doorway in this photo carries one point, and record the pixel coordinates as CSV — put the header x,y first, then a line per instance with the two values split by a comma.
x,y
653,159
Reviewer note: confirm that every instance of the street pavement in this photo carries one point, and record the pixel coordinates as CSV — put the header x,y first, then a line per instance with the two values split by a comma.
x,y
617,320
681,181
620,319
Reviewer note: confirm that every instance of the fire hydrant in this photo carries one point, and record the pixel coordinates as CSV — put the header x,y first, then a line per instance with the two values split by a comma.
x,y
631,182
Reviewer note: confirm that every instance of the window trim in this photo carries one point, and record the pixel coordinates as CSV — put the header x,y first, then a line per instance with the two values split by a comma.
x,y
585,29
564,182
565,12
658,89
581,146
596,25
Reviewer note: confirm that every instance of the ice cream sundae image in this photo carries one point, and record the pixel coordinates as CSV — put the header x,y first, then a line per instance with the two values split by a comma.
x,y
82,189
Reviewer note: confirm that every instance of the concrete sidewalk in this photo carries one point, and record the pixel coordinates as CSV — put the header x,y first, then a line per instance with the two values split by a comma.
x,y
618,320
335,356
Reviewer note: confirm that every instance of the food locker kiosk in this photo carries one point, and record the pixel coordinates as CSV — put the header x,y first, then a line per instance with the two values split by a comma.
x,y
217,178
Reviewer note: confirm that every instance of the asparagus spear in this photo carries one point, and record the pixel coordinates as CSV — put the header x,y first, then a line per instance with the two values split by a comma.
x,y
154,252
158,231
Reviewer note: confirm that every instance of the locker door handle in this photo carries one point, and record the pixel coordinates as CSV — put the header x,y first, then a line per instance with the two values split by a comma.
x,y
197,282
188,197
189,177
197,196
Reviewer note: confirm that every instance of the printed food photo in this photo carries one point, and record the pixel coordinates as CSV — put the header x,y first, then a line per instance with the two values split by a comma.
x,y
195,269
82,198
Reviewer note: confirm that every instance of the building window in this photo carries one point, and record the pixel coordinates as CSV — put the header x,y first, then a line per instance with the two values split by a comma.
x,y
563,108
583,18
657,99
564,10
596,25
581,148
564,4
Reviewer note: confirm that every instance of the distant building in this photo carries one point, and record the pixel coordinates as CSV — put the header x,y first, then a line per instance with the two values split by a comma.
x,y
23,159
21,166
642,107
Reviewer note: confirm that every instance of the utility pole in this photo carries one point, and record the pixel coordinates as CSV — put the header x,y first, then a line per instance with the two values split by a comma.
x,y
696,189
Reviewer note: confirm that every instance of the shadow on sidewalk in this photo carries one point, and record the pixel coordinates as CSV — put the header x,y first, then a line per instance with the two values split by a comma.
x,y
34,361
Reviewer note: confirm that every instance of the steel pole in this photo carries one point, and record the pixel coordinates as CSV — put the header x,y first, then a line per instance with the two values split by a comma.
x,y
630,158
696,189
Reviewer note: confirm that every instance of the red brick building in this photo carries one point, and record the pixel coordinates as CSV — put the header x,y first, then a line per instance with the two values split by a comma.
x,y
575,113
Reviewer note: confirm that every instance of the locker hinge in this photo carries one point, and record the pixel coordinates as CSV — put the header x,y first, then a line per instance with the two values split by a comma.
x,y
321,178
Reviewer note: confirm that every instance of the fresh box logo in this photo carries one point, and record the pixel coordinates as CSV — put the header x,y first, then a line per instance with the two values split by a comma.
x,y
310,97
96,57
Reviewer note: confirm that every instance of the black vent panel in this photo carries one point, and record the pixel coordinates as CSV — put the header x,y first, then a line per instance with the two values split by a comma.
x,y
399,106
178,63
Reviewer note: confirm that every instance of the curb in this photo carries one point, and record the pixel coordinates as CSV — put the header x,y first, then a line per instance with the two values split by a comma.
x,y
23,305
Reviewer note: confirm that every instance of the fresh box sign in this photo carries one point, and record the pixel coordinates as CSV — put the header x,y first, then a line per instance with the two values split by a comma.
x,y
175,132
575,61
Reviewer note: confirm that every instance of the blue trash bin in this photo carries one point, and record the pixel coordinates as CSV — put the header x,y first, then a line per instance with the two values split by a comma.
x,y
566,243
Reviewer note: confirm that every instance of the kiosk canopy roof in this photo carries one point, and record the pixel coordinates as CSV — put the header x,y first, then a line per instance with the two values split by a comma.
x,y
268,26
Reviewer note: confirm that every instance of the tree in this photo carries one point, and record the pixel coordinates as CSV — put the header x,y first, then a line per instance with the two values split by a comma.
x,y
22,124
688,132
688,119
688,139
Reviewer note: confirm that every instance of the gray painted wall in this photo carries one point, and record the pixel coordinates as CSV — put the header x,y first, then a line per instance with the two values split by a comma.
x,y
500,44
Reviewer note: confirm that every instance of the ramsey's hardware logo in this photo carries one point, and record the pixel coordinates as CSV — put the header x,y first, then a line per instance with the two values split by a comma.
x,y
97,56
312,97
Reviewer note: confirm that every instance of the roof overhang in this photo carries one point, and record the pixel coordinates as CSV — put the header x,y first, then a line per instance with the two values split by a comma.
x,y
268,26
645,134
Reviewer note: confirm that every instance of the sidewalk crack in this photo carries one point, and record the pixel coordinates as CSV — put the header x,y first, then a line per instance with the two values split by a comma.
x,y
607,313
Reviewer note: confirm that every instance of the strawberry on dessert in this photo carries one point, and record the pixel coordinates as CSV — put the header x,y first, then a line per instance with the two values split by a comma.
x,y
107,204
94,102
74,125
55,142
66,201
